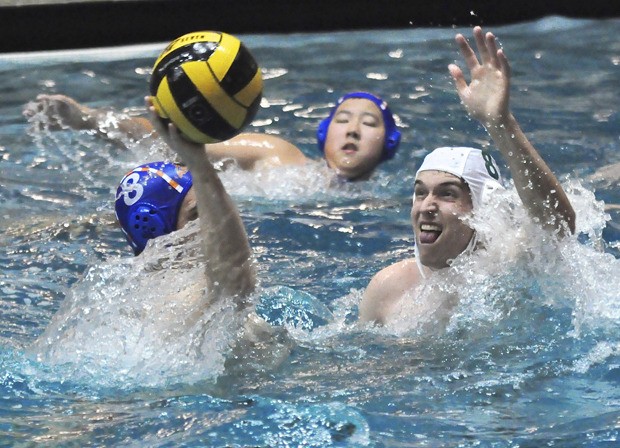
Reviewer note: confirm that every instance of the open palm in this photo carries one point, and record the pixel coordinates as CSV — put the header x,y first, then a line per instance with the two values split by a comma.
x,y
486,97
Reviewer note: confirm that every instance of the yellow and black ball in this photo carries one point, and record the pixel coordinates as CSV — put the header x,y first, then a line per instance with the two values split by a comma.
x,y
208,84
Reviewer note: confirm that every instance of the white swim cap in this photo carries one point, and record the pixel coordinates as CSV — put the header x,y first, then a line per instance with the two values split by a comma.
x,y
476,167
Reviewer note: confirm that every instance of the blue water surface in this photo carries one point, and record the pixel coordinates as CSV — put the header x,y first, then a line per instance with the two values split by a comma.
x,y
529,357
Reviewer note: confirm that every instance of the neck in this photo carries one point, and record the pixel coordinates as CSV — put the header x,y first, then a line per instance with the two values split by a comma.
x,y
425,271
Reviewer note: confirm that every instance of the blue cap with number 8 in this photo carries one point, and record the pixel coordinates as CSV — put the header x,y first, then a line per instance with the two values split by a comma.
x,y
148,200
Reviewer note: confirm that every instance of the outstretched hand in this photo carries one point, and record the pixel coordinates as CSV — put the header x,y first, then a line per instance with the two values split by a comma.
x,y
57,112
486,97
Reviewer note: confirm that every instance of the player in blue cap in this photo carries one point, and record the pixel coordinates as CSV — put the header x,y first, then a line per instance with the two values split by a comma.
x,y
392,136
157,198
153,200
359,133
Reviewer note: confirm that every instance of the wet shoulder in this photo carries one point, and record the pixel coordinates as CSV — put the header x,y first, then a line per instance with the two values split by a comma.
x,y
387,288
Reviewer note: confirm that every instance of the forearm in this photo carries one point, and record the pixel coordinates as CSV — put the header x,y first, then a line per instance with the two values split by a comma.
x,y
538,187
64,111
115,125
228,257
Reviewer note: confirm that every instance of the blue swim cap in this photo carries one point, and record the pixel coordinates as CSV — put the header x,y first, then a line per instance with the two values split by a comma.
x,y
392,135
148,200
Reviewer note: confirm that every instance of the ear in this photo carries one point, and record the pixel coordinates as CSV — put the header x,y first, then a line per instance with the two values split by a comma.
x,y
391,144
321,133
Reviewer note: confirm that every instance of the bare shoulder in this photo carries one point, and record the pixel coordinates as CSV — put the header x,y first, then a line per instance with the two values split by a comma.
x,y
387,288
249,148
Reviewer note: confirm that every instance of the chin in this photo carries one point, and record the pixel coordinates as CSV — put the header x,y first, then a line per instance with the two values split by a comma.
x,y
347,172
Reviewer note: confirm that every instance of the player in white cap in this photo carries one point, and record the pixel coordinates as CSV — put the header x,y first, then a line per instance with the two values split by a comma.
x,y
454,182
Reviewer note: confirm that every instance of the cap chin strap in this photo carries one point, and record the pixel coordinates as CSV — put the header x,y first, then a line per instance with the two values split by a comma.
x,y
469,249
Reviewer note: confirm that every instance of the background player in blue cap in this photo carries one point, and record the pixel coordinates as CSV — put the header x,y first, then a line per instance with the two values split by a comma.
x,y
157,198
359,133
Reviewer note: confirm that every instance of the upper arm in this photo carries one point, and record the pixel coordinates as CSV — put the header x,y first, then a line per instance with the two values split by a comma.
x,y
369,305
248,149
386,289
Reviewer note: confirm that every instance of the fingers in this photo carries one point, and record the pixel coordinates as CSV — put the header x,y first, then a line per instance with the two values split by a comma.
x,y
481,44
156,120
167,130
491,45
31,109
159,124
150,107
486,45
457,75
504,65
43,113
468,54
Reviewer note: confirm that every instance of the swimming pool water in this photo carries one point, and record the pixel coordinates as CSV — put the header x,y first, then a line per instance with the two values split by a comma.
x,y
528,357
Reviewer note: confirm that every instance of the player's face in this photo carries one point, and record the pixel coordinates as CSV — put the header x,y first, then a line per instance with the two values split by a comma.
x,y
440,201
355,138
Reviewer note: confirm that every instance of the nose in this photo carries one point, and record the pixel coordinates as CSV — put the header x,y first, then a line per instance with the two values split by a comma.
x,y
353,129
429,204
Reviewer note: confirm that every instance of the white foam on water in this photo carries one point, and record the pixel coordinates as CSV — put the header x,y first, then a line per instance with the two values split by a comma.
x,y
143,320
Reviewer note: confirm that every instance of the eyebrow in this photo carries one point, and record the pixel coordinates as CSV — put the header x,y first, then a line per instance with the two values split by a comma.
x,y
458,183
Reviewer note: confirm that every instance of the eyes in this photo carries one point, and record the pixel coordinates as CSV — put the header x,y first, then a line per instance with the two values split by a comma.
x,y
448,192
367,119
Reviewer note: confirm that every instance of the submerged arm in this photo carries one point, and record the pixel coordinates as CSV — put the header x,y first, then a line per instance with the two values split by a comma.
x,y
486,99
228,257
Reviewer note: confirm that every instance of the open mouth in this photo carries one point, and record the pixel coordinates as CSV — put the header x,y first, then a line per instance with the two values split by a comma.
x,y
349,148
429,233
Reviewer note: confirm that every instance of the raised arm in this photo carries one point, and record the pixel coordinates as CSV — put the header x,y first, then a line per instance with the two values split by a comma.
x,y
228,257
486,98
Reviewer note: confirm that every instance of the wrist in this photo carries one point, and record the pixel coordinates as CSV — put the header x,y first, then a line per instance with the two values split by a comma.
x,y
499,124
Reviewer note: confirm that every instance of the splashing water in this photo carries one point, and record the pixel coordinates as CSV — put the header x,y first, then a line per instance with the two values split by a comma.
x,y
93,352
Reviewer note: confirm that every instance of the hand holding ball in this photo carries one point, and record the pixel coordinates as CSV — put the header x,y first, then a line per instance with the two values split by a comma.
x,y
208,84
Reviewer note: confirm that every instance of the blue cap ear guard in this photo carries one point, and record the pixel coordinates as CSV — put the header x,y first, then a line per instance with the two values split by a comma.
x,y
392,134
148,200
